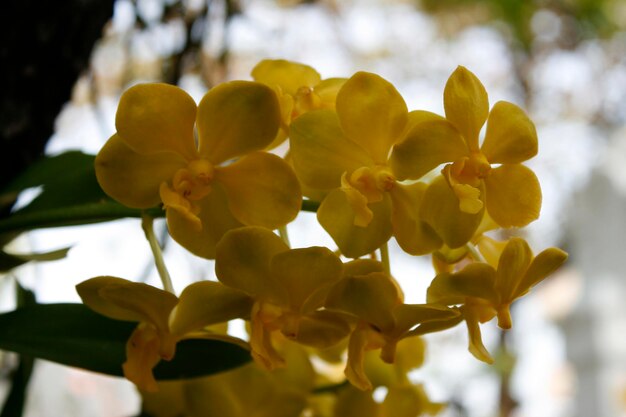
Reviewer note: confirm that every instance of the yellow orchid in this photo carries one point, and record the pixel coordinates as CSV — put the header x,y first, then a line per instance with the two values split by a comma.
x,y
299,89
154,158
288,286
346,152
510,191
375,300
486,292
162,323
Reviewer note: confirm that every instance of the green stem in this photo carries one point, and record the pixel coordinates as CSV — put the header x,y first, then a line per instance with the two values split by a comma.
x,y
147,224
384,258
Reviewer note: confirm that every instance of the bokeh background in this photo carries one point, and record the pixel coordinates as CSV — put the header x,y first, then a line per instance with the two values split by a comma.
x,y
564,61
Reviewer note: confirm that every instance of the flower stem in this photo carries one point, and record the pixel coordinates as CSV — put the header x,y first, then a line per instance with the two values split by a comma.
x,y
384,257
478,257
147,224
284,235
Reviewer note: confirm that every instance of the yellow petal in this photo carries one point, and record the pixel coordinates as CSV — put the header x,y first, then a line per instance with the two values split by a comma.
x,y
362,267
142,354
476,346
337,217
372,113
409,315
427,145
371,298
352,402
409,400
327,91
490,249
362,339
475,280
133,179
243,262
543,265
263,351
322,329
511,136
121,299
235,118
289,76
513,195
205,303
321,152
512,266
414,235
215,218
440,209
305,273
262,190
466,104
154,118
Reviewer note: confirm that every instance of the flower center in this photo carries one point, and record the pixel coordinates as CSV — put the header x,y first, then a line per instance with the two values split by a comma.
x,y
188,186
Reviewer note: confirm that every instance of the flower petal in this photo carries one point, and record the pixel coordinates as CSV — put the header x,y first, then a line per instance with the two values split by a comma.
x,y
512,266
440,209
142,355
243,262
476,346
511,136
369,297
131,178
289,76
155,118
414,235
475,280
121,299
513,195
372,113
322,329
327,91
466,104
321,152
336,216
215,219
305,273
409,315
543,265
205,303
235,118
361,340
262,190
426,146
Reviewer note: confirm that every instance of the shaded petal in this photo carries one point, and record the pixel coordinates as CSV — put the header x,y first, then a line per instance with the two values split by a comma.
x,y
353,402
361,340
511,136
513,195
121,299
304,273
414,235
440,209
362,267
205,303
475,280
466,104
490,249
327,91
372,113
131,178
289,76
142,355
369,297
235,118
426,146
476,346
243,262
409,315
215,218
337,216
321,152
512,266
322,329
543,265
262,190
155,118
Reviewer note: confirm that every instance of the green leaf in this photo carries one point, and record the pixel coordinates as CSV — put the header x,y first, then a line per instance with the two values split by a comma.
x,y
67,179
9,261
72,334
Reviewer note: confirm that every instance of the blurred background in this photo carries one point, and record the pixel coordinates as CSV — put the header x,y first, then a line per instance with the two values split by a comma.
x,y
66,64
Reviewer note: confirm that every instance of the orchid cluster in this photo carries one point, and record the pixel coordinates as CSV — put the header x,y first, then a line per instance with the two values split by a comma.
x,y
372,170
